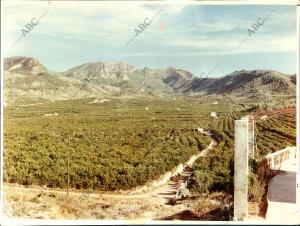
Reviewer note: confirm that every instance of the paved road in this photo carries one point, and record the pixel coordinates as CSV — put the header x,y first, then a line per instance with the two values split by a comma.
x,y
282,196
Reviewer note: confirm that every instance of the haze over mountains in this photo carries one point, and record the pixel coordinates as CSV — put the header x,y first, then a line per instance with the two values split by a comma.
x,y
27,78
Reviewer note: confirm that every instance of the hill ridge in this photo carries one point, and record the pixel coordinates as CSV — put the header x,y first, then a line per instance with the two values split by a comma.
x,y
27,77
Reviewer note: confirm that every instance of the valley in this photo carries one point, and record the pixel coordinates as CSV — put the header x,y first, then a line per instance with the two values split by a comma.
x,y
148,112
124,141
116,145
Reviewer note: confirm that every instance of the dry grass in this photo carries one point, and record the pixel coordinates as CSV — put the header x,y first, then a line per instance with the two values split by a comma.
x,y
29,204
215,206
258,189
205,206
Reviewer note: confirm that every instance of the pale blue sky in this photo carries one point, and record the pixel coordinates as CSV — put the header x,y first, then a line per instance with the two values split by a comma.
x,y
191,37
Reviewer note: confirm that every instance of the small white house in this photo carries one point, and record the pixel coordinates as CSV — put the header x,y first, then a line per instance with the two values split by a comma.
x,y
264,117
200,130
214,114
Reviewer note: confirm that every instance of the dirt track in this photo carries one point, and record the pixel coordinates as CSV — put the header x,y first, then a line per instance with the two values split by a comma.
x,y
45,203
161,193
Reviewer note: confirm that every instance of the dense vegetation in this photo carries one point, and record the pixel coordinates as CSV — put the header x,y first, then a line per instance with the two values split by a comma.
x,y
215,171
123,143
112,145
276,133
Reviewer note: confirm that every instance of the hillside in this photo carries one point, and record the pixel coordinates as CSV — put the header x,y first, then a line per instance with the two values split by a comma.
x,y
244,84
27,78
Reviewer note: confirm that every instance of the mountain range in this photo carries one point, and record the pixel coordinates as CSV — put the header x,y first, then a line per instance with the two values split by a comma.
x,y
27,78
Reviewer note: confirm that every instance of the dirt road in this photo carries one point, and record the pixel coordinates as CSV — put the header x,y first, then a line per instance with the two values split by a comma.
x,y
45,203
161,193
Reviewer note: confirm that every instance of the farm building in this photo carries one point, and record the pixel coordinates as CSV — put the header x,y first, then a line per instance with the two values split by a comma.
x,y
198,130
214,114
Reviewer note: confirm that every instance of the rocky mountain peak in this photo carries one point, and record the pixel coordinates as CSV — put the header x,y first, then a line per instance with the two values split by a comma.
x,y
20,63
179,73
99,69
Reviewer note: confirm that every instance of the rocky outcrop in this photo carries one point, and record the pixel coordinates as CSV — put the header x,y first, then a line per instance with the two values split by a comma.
x,y
23,64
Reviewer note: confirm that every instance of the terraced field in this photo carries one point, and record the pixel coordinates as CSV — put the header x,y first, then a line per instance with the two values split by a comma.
x,y
276,132
215,171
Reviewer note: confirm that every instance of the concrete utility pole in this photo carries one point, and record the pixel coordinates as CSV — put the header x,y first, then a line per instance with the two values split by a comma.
x,y
241,147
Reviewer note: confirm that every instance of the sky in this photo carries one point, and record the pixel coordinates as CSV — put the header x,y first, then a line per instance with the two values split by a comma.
x,y
207,40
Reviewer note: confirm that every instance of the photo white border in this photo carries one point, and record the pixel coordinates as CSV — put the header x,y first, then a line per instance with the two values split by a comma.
x,y
298,112
133,222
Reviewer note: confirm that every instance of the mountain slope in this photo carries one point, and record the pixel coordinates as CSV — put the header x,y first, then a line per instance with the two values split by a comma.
x,y
244,83
121,75
27,78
